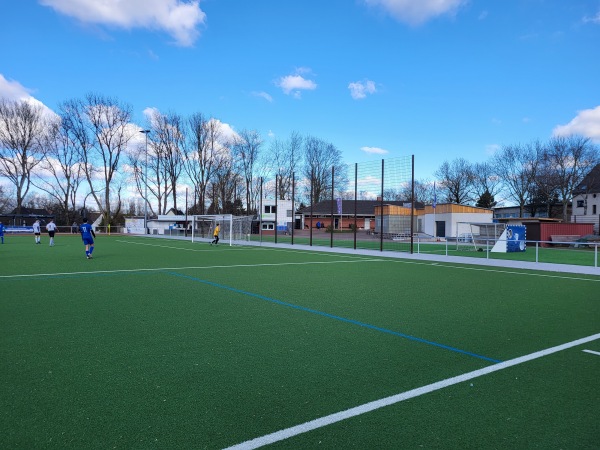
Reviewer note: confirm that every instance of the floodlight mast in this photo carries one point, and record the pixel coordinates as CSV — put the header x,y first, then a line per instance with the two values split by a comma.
x,y
146,184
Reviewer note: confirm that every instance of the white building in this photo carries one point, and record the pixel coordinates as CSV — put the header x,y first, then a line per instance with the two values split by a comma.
x,y
586,200
276,214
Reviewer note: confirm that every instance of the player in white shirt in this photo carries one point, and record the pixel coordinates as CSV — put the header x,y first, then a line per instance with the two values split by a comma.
x,y
37,231
51,228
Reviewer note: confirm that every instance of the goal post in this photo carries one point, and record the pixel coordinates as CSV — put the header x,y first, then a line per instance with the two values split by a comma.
x,y
232,228
478,236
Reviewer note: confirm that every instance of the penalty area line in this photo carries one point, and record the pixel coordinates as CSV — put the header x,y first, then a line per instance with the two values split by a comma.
x,y
377,404
592,352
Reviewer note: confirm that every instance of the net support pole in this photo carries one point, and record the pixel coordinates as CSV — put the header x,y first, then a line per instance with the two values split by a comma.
x,y
381,208
412,205
332,203
276,208
293,204
312,180
355,199
193,227
260,210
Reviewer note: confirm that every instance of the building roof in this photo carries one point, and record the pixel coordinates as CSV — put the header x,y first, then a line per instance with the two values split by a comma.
x,y
363,207
41,212
590,183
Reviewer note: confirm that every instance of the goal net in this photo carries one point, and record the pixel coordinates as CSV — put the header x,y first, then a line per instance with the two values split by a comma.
x,y
232,228
478,236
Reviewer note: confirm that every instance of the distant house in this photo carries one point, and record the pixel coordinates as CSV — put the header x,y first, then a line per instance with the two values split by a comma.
x,y
343,214
541,211
26,217
586,200
276,215
439,222
443,220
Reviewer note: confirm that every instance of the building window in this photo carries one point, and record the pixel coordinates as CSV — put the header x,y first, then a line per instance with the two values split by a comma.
x,y
580,203
594,209
270,209
268,226
288,213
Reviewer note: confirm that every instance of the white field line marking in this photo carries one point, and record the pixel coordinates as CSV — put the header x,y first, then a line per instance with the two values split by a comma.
x,y
377,404
244,247
186,268
510,272
592,352
400,261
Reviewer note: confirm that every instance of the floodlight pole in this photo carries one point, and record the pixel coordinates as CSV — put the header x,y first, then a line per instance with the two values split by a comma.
x,y
146,184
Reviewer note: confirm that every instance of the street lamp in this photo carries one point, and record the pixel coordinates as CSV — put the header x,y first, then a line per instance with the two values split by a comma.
x,y
146,184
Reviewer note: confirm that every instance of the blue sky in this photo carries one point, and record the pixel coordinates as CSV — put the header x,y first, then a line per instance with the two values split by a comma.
x,y
439,79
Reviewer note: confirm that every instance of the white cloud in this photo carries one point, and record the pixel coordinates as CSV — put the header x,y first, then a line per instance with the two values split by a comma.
x,y
491,149
593,19
360,90
586,123
374,150
15,91
415,12
175,17
295,84
228,134
264,95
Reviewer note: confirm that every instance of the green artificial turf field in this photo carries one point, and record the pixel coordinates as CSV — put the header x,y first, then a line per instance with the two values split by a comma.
x,y
169,344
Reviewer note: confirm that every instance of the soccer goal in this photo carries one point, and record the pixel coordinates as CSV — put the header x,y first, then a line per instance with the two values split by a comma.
x,y
478,236
232,228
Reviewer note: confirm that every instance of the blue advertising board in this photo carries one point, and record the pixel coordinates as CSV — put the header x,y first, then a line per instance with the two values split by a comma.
x,y
515,238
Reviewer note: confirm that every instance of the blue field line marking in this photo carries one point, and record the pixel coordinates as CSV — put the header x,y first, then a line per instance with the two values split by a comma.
x,y
332,316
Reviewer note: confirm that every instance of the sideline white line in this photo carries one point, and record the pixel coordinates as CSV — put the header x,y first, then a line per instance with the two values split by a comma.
x,y
592,352
509,272
188,267
368,407
243,247
527,272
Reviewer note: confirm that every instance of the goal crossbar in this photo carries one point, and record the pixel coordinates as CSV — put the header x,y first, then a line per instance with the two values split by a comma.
x,y
231,228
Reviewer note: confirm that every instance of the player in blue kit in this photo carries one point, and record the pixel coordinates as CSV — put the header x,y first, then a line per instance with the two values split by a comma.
x,y
88,235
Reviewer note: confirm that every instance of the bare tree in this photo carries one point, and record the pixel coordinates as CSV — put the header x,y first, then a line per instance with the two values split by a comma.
x,y
168,138
319,158
140,158
61,173
100,127
22,128
572,157
224,188
245,152
544,192
205,152
486,181
285,156
517,167
456,180
423,191
6,200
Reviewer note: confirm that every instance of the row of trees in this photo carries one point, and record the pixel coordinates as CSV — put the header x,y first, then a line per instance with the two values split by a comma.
x,y
90,145
90,149
535,176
